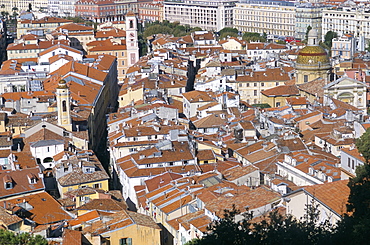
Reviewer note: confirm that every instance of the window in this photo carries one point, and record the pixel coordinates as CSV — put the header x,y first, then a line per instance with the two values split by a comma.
x,y
255,84
48,149
262,84
8,185
305,78
255,92
247,84
353,164
123,62
97,186
125,241
349,162
64,105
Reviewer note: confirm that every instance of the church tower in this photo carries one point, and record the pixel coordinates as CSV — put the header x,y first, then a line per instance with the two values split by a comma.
x,y
312,61
132,43
64,106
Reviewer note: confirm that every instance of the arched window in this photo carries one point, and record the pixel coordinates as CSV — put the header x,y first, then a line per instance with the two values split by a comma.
x,y
64,105
131,24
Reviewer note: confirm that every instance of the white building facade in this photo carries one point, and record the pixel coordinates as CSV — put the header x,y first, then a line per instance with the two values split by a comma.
x,y
266,16
208,15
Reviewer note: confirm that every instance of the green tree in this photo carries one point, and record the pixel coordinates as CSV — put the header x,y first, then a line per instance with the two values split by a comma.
x,y
9,238
228,31
309,28
237,229
156,29
329,38
227,231
253,37
356,225
363,145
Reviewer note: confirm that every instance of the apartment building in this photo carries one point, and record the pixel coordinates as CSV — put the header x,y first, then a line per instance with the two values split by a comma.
x,y
96,11
62,8
23,5
344,47
307,15
46,24
151,11
125,6
208,15
265,16
347,20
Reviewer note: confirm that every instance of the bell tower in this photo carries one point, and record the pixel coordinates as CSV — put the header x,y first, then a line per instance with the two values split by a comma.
x,y
131,39
64,105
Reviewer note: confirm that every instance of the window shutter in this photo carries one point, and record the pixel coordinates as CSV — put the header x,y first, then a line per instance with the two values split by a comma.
x,y
129,241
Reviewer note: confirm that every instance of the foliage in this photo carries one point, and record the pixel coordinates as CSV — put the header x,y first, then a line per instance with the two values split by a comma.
x,y
285,230
253,37
262,106
357,223
280,42
368,47
237,229
10,238
76,19
363,145
228,31
329,38
309,28
166,27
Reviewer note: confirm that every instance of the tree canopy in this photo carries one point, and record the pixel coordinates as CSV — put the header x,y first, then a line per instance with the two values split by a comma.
x,y
166,27
254,37
329,38
10,238
228,31
363,145
277,229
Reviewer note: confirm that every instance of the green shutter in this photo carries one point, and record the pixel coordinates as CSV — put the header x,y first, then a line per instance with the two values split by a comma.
x,y
129,241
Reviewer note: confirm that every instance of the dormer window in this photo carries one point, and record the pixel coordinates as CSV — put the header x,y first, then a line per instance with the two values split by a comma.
x,y
8,185
8,182
32,179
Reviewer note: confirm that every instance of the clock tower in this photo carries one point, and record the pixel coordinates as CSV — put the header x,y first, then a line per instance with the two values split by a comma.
x,y
64,105
131,39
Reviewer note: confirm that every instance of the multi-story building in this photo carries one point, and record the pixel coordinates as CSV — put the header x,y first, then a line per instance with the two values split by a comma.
x,y
208,15
125,6
347,20
22,5
98,11
46,24
150,12
308,15
265,16
343,47
62,8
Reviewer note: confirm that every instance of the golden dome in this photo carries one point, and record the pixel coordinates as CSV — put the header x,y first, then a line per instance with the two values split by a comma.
x,y
313,56
62,84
